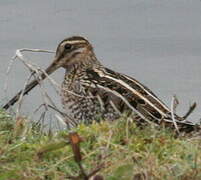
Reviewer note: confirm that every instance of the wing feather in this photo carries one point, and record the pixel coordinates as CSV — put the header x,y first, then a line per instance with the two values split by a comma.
x,y
126,93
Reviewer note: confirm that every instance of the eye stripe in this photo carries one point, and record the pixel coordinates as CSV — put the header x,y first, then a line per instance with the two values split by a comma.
x,y
73,42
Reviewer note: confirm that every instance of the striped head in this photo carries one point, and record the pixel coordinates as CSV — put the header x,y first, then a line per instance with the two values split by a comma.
x,y
71,51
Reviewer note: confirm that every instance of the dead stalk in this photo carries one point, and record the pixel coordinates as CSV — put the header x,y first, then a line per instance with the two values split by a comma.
x,y
174,104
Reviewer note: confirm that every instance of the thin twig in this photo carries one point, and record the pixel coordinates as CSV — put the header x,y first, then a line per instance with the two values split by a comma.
x,y
70,122
35,69
21,96
191,109
174,104
7,74
97,169
34,50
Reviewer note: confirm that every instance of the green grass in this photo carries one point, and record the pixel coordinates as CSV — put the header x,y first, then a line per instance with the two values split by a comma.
x,y
126,152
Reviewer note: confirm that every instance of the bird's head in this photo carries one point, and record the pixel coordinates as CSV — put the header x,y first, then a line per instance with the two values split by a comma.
x,y
71,51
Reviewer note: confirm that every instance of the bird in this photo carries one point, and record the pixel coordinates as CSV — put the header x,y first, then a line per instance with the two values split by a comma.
x,y
92,92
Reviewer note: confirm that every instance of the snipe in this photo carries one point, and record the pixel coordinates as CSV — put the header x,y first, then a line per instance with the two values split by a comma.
x,y
91,91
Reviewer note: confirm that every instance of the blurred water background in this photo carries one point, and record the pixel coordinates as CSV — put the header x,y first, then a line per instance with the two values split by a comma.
x,y
158,42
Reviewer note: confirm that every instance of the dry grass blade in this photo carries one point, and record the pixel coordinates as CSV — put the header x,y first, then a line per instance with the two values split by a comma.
x,y
174,104
191,109
51,147
97,169
34,69
21,96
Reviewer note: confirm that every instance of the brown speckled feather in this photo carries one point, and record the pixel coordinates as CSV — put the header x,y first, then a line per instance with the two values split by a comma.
x,y
92,92
107,94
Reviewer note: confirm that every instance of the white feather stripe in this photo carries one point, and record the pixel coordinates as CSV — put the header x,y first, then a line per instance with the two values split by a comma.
x,y
124,100
135,92
142,87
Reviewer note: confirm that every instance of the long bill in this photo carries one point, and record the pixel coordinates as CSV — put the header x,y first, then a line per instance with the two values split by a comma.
x,y
53,67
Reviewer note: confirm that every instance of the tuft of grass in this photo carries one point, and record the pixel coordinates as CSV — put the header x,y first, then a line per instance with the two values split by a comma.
x,y
126,151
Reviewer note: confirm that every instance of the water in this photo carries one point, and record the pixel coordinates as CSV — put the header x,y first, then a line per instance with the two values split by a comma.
x,y
157,42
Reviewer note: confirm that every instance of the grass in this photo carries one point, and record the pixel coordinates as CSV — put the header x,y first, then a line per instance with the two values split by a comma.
x,y
122,150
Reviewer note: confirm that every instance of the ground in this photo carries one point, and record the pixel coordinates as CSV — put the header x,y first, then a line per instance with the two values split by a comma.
x,y
117,150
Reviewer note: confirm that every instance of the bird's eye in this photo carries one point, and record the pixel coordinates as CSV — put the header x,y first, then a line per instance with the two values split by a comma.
x,y
68,46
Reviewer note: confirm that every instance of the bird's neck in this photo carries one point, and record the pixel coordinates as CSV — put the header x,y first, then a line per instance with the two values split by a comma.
x,y
86,63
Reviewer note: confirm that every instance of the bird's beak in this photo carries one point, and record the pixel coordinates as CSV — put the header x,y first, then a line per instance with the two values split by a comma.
x,y
53,67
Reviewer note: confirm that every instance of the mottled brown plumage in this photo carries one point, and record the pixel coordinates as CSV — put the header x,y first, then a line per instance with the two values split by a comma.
x,y
91,91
